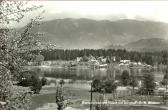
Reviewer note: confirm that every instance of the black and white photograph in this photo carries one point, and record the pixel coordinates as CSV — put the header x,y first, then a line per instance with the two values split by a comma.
x,y
83,55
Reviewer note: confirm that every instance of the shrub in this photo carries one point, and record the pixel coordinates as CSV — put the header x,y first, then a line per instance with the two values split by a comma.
x,y
32,80
110,86
107,86
25,78
96,85
44,81
36,84
101,106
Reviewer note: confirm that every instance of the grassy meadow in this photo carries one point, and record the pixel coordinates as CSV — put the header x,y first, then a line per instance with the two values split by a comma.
x,y
77,93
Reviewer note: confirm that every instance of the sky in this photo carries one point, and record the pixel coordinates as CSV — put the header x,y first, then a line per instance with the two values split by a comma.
x,y
101,10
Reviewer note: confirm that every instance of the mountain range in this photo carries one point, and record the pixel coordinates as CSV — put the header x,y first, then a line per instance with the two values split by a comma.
x,y
87,33
144,45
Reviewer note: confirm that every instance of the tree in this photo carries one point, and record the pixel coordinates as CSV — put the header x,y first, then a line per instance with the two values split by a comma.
x,y
97,85
36,84
125,78
110,86
148,86
133,82
59,98
164,82
108,60
14,47
38,59
85,58
62,82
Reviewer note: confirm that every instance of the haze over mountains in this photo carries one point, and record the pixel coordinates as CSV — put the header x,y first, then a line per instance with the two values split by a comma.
x,y
86,33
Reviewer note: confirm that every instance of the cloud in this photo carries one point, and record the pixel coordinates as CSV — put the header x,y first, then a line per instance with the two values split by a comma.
x,y
153,9
111,10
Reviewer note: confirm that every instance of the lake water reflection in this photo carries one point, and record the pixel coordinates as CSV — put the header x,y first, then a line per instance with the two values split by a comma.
x,y
88,74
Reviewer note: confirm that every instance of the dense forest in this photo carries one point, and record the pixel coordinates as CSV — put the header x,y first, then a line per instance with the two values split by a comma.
x,y
151,58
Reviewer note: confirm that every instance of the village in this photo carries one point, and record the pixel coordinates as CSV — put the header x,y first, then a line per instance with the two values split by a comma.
x,y
105,63
95,63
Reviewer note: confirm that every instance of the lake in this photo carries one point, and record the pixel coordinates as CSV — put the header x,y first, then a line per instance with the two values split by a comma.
x,y
89,74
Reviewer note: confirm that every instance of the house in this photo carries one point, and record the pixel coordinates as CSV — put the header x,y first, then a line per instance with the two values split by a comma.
x,y
161,91
139,63
92,58
124,64
103,65
139,83
78,59
95,63
114,59
102,60
125,61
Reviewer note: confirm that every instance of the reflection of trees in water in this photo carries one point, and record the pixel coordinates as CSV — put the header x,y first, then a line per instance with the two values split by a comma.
x,y
88,74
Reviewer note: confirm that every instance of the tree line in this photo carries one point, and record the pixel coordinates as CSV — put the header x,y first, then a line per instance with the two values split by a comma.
x,y
147,87
150,58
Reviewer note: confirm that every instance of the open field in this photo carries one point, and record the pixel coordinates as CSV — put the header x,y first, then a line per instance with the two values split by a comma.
x,y
78,93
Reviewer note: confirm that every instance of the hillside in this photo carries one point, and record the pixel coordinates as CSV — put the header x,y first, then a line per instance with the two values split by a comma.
x,y
87,33
153,44
143,45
